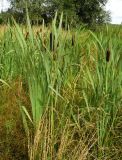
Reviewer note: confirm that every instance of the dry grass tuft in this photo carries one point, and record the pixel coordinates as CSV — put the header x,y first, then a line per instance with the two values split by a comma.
x,y
13,143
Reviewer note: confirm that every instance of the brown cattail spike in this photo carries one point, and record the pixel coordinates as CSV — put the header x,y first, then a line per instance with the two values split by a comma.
x,y
37,33
73,40
108,53
40,29
51,42
26,36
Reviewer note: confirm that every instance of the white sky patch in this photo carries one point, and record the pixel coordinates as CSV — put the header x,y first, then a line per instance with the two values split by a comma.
x,y
115,7
4,5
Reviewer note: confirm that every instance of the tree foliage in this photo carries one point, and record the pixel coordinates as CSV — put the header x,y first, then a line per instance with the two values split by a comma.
x,y
90,12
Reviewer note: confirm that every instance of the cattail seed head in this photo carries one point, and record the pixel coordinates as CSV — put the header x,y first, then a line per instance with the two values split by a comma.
x,y
58,44
108,53
26,36
37,33
73,40
44,43
40,29
51,42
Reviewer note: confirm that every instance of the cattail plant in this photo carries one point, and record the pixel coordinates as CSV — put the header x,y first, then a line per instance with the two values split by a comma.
x,y
52,45
44,44
40,29
37,33
108,53
26,35
51,42
73,40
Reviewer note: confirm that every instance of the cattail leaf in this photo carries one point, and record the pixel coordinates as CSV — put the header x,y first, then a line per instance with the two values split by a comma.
x,y
3,82
56,92
27,114
97,41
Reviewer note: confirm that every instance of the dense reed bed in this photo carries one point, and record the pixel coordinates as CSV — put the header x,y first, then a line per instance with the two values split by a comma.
x,y
61,93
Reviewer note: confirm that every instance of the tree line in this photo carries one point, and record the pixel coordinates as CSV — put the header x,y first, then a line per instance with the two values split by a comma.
x,y
89,12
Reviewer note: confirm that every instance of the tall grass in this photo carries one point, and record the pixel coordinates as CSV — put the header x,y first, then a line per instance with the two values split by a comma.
x,y
75,92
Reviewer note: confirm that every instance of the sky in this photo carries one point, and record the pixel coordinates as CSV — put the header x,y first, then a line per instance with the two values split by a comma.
x,y
4,4
114,6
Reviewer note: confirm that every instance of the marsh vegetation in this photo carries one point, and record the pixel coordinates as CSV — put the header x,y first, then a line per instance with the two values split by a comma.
x,y
60,93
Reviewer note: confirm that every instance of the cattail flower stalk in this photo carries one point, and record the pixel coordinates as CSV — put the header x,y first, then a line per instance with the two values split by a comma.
x,y
108,53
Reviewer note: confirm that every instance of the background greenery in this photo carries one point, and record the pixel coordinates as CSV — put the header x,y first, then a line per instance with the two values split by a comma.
x,y
90,12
